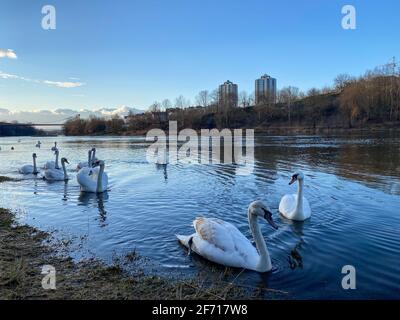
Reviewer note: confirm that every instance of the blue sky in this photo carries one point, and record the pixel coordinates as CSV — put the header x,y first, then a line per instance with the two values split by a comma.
x,y
135,52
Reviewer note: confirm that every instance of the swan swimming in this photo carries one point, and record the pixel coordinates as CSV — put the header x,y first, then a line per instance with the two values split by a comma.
x,y
93,179
90,161
57,174
29,169
222,243
53,164
295,206
55,147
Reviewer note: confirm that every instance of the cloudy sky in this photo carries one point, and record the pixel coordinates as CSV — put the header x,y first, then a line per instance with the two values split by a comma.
x,y
107,54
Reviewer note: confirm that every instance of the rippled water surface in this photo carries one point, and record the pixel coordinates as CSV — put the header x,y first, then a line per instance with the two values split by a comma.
x,y
352,184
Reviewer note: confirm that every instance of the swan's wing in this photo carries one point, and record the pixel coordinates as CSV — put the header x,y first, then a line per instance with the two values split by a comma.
x,y
26,169
222,242
54,174
287,204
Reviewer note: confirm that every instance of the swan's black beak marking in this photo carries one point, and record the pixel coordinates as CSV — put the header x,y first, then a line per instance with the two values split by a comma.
x,y
268,217
190,243
293,180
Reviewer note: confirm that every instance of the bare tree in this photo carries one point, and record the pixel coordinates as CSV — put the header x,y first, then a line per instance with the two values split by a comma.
x,y
243,99
181,102
288,95
155,107
342,80
203,98
166,104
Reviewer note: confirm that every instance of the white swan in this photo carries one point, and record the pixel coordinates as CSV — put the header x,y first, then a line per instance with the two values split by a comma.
x,y
29,169
55,147
88,163
38,144
295,206
57,174
222,243
52,164
93,179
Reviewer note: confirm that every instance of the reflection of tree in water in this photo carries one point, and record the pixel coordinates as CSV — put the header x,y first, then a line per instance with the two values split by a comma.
x,y
97,199
371,164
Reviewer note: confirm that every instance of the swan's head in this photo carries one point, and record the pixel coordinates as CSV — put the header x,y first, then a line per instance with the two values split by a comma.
x,y
64,160
34,156
297,176
98,163
260,209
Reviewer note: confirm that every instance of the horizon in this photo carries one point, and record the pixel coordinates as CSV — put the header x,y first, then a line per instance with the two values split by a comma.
x,y
132,54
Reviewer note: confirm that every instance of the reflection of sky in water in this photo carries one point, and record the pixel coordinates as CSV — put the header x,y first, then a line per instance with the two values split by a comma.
x,y
352,183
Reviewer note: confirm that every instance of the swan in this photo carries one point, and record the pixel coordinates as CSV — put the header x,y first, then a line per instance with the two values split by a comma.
x,y
55,147
222,243
29,169
53,164
38,144
295,206
57,174
93,179
88,163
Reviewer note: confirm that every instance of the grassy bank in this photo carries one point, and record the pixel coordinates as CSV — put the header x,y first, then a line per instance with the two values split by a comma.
x,y
24,250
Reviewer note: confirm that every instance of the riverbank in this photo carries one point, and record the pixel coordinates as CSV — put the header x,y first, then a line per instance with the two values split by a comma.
x,y
25,250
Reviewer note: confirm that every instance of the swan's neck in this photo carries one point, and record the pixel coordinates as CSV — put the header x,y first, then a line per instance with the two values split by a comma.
x,y
89,158
100,179
264,263
299,204
64,170
34,166
93,156
56,165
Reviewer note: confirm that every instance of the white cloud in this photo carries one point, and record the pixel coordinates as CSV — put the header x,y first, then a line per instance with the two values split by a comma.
x,y
67,84
59,84
8,53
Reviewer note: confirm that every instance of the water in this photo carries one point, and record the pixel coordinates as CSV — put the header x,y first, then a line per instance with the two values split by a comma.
x,y
352,184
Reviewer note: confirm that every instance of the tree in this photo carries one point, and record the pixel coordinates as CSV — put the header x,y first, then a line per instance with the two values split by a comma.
x,y
181,102
166,104
244,99
155,107
288,95
342,80
203,98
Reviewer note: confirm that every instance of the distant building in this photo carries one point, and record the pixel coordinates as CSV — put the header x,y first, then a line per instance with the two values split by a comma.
x,y
228,94
265,90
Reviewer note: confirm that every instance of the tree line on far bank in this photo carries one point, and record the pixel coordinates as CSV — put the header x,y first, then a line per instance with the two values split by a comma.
x,y
13,129
351,102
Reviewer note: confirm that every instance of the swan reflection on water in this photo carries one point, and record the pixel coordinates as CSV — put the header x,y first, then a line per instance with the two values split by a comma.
x,y
295,259
90,200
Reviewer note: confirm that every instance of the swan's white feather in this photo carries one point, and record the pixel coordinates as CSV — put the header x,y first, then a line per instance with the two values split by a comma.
x,y
287,207
87,178
221,242
26,169
54,175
